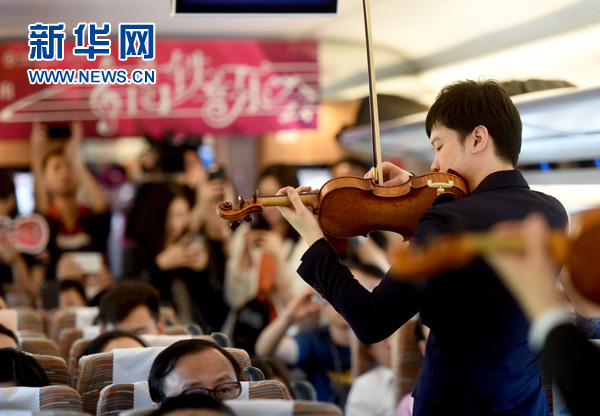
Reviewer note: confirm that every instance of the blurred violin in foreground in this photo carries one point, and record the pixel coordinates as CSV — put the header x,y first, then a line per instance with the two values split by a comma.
x,y
350,206
579,252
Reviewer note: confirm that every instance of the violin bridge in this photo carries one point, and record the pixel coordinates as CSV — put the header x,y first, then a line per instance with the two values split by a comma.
x,y
440,185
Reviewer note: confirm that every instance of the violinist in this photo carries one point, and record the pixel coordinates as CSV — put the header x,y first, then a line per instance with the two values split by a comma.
x,y
484,367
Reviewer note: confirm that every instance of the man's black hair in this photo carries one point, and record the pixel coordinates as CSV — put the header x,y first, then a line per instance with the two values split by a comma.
x,y
123,298
7,331
192,401
21,368
166,361
98,343
467,104
72,284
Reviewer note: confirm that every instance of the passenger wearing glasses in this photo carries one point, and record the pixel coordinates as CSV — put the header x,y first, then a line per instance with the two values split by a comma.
x,y
194,366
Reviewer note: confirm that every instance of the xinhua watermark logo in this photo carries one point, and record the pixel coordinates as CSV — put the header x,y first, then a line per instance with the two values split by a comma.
x,y
135,40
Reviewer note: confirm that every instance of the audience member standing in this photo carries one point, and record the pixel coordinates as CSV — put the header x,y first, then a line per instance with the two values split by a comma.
x,y
166,251
260,277
59,173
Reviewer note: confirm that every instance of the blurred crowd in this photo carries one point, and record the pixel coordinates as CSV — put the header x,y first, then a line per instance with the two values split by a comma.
x,y
173,252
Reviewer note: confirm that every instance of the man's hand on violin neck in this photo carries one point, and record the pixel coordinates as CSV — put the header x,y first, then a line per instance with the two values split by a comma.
x,y
299,216
392,174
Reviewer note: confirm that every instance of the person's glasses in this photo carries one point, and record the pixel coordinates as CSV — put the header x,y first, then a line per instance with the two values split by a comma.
x,y
225,391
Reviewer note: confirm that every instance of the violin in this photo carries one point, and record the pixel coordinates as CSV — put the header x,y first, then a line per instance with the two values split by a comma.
x,y
350,206
452,252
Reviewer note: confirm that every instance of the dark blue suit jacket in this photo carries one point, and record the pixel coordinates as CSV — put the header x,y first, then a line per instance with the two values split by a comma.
x,y
477,360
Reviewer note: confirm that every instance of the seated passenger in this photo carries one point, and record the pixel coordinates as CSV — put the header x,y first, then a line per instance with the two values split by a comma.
x,y
111,340
20,369
274,369
133,307
194,366
322,353
8,339
372,393
71,293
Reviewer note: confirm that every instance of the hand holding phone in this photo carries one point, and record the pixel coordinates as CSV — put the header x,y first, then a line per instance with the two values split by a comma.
x,y
89,261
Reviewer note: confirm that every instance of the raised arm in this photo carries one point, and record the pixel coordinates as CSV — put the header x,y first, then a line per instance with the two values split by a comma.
x,y
87,180
273,341
38,144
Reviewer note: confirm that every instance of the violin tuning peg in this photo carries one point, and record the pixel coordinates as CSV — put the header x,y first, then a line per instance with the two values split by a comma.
x,y
255,195
241,201
234,224
248,218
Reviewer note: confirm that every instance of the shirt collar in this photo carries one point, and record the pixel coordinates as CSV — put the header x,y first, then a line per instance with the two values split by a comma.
x,y
501,179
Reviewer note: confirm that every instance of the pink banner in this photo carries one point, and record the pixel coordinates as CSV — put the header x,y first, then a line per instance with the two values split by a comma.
x,y
223,86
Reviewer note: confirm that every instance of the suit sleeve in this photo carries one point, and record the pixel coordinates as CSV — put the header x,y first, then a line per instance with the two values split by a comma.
x,y
373,316
574,364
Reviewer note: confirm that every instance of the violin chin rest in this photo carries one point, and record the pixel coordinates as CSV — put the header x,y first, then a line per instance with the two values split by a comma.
x,y
441,198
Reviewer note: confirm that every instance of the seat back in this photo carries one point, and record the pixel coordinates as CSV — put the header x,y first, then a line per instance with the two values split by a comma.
x,y
66,338
267,407
55,368
279,407
116,398
37,399
75,353
39,345
29,320
97,371
74,317
407,359
120,397
267,389
243,359
19,299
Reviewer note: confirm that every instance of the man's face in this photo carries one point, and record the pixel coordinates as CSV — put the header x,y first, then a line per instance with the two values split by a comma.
x,y
208,369
139,321
450,153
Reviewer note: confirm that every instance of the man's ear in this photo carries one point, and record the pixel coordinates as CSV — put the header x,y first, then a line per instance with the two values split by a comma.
x,y
480,139
102,329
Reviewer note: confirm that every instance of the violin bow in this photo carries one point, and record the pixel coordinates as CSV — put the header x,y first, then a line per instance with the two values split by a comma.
x,y
378,173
